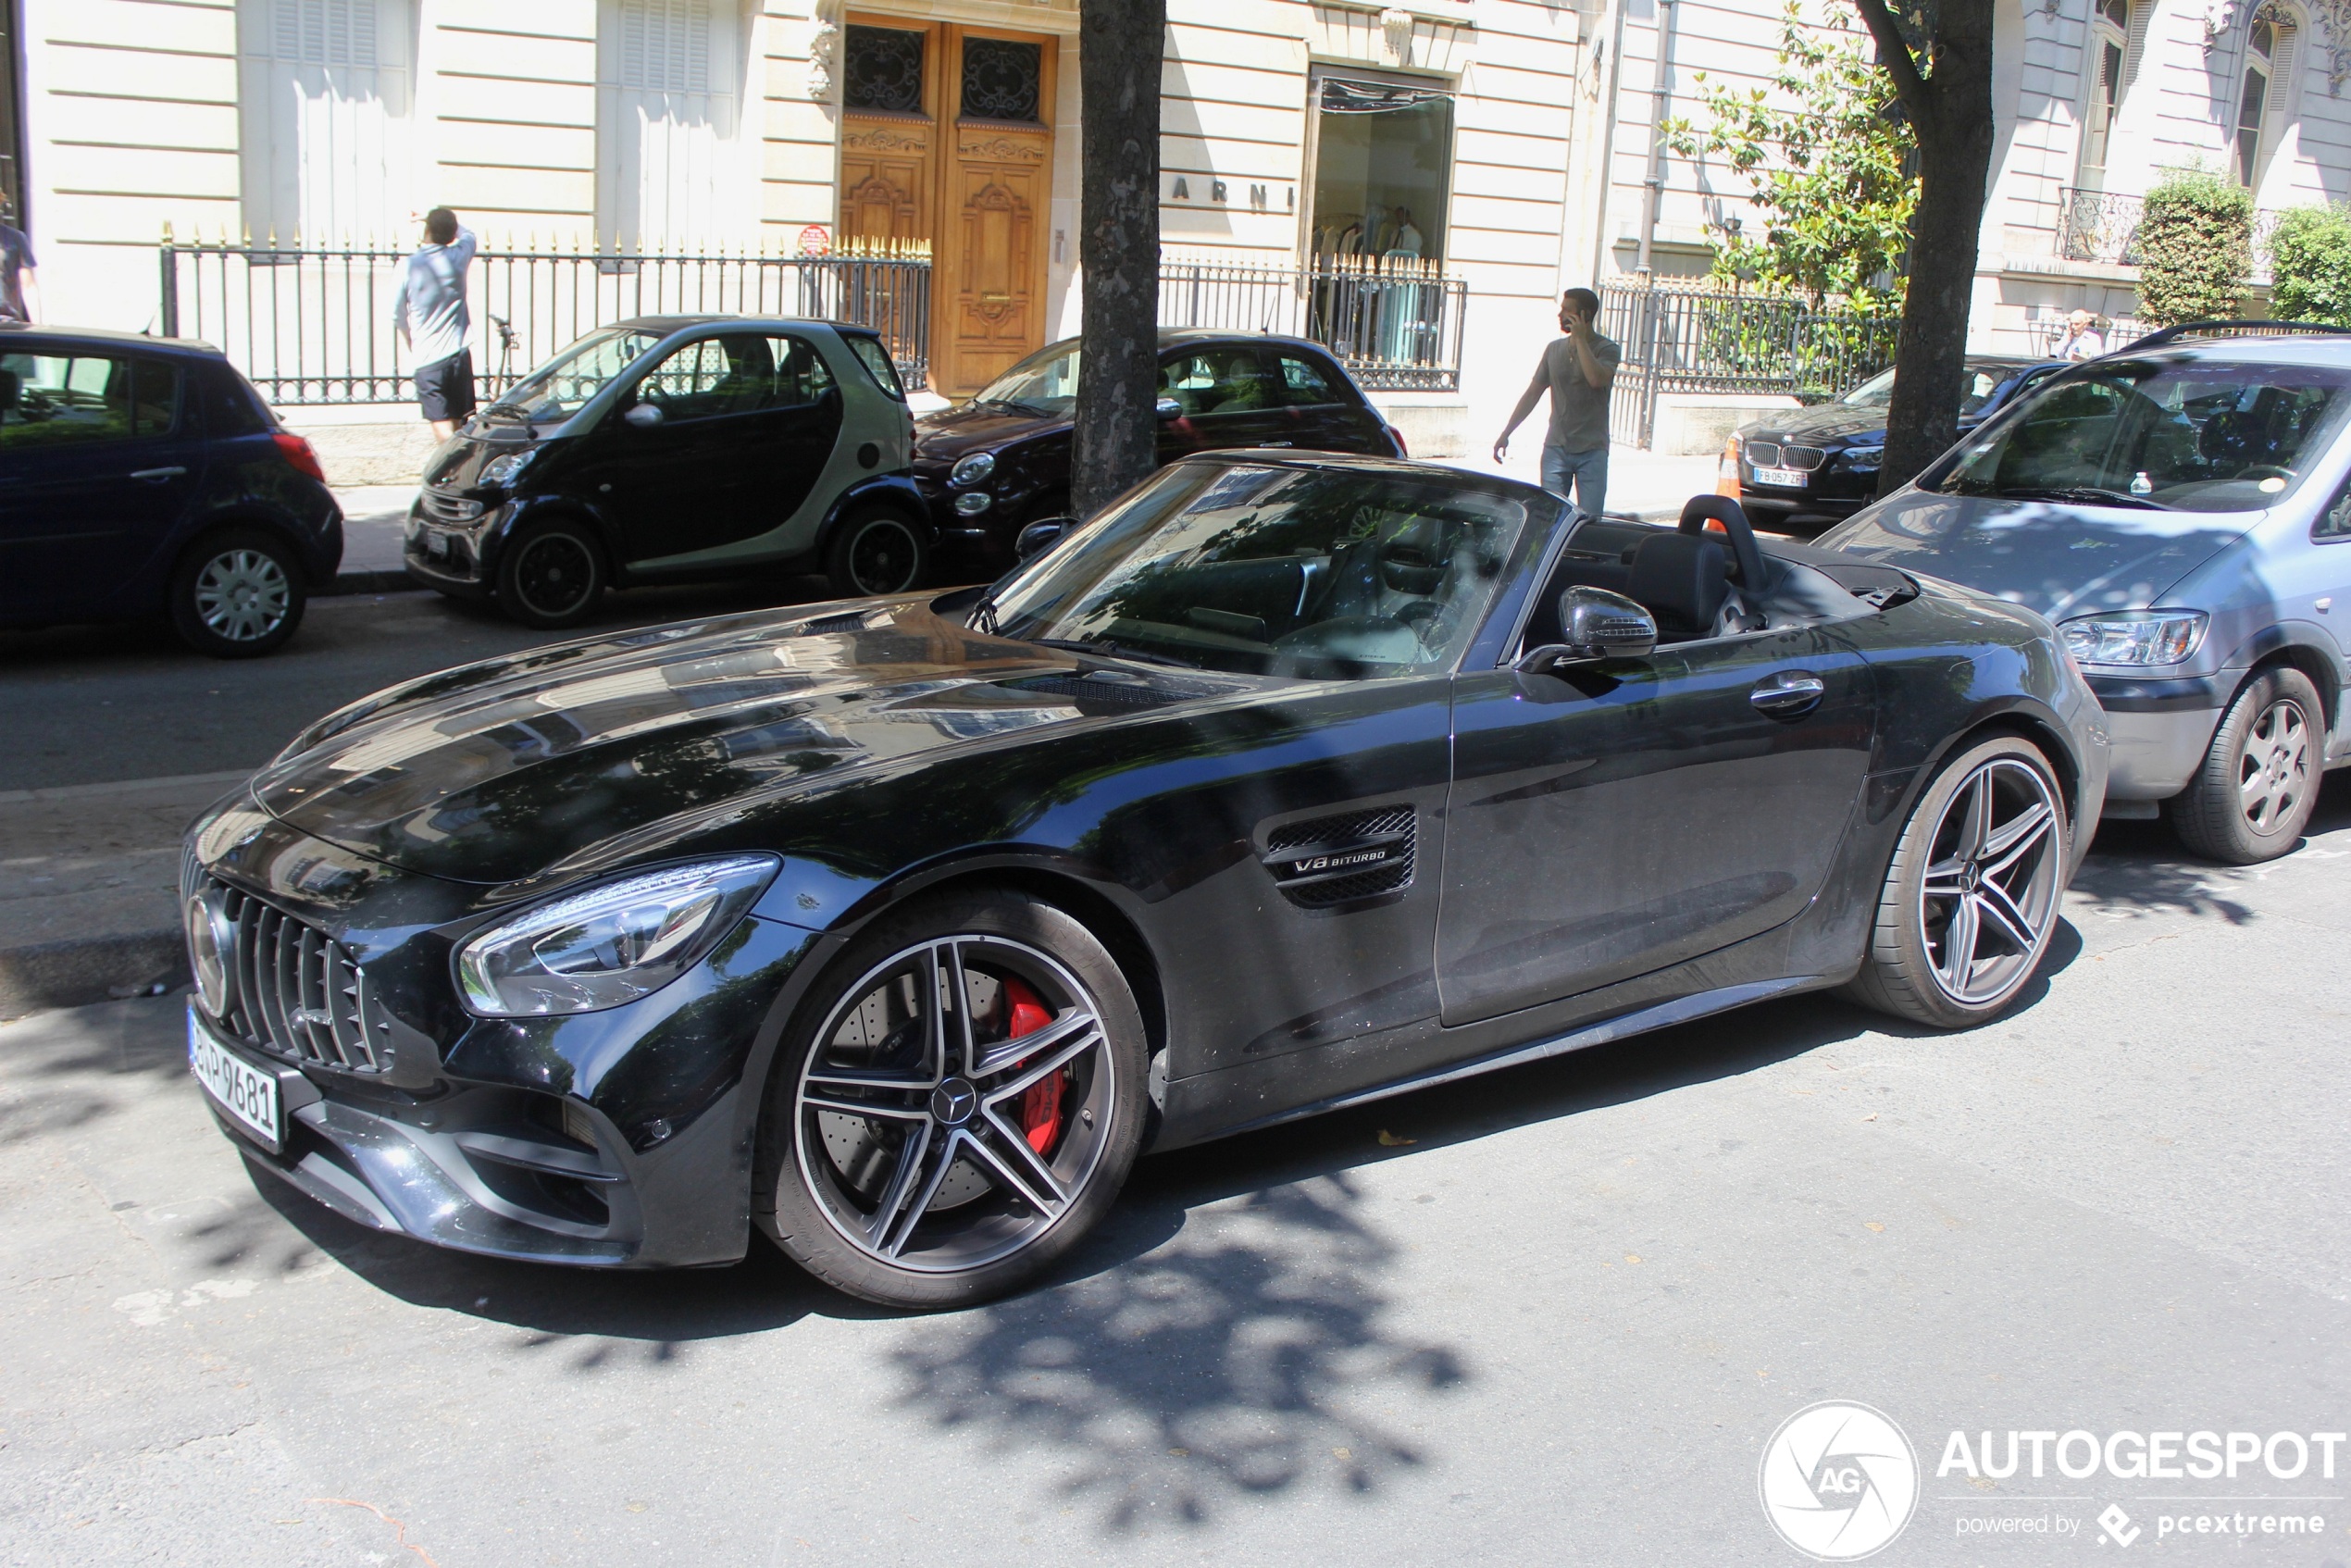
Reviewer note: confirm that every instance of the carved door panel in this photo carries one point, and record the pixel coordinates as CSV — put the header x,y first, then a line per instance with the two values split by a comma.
x,y
888,133
994,315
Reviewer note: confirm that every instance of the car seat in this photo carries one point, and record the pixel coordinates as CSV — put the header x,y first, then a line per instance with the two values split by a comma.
x,y
1684,580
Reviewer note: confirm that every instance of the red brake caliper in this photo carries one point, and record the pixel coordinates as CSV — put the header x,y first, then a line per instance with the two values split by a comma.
x,y
1040,1103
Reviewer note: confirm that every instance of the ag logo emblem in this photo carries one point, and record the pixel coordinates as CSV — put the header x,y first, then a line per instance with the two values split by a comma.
x,y
1839,1481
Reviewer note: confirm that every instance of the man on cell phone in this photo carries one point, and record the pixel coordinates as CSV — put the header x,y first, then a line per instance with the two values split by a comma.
x,y
428,311
1577,370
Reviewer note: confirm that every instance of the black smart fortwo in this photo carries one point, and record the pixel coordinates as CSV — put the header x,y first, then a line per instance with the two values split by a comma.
x,y
896,930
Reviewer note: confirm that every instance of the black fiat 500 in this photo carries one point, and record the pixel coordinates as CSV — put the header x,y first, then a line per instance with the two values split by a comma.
x,y
1805,469
674,448
993,465
896,931
144,477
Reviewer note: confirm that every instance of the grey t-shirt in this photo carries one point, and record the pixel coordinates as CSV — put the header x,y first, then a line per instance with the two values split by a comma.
x,y
431,299
1579,409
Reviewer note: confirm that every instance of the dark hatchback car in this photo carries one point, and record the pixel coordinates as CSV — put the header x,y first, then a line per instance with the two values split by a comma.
x,y
677,448
1808,467
999,462
897,930
144,477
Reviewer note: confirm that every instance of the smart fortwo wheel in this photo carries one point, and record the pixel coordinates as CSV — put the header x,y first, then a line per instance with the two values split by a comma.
x,y
1970,900
875,551
551,576
956,1105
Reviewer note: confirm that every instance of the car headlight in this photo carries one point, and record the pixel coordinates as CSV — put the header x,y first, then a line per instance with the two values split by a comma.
x,y
973,505
608,945
1864,456
502,472
2135,637
209,953
972,469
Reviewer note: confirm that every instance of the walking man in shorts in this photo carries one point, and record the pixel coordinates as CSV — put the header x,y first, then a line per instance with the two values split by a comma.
x,y
1577,370
428,311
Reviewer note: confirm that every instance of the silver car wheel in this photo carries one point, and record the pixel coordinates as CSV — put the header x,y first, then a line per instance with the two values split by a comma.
x,y
955,1105
1989,899
2273,771
242,595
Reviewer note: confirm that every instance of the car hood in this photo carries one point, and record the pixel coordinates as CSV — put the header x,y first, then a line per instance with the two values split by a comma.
x,y
947,435
1825,422
563,758
2060,560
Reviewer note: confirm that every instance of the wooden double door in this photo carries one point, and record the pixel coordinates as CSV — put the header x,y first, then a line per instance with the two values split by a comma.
x,y
947,136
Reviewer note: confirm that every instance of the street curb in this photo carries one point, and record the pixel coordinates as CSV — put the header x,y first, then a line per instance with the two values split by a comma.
x,y
369,582
81,970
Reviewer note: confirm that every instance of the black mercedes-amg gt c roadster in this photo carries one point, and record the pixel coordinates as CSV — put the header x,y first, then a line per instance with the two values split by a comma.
x,y
898,929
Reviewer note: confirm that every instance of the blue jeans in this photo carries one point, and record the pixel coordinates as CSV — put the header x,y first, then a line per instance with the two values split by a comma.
x,y
1588,470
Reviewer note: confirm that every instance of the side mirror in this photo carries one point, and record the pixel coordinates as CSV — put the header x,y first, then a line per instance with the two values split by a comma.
x,y
1168,408
1040,536
643,415
1596,623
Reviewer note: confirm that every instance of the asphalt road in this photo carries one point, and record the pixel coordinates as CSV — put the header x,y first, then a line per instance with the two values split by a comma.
x,y
1548,1317
94,704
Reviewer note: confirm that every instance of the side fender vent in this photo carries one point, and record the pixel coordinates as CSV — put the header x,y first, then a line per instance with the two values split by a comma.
x,y
1336,860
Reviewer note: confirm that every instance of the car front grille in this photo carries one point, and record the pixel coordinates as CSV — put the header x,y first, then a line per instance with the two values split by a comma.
x,y
295,992
449,510
1772,454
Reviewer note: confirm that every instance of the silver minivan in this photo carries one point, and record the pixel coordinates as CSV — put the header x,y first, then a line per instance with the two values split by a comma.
x,y
2181,509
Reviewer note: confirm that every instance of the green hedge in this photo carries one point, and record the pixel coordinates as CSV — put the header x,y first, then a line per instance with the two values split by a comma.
x,y
2195,248
2311,266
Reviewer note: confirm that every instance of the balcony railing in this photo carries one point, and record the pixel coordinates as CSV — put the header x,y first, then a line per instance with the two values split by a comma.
x,y
2101,226
1396,324
312,324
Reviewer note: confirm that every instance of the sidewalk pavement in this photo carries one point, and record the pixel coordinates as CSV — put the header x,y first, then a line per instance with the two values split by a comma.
x,y
373,518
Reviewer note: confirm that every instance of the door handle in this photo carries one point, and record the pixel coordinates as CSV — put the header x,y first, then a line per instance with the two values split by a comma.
x,y
1786,695
157,476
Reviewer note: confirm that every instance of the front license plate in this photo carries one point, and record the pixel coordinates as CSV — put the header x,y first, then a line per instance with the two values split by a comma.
x,y
436,545
245,1092
1793,479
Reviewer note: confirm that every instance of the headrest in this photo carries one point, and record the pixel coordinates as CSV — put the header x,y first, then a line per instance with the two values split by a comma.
x,y
1683,578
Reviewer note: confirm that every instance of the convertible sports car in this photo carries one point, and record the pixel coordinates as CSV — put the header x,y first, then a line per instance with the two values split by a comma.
x,y
897,928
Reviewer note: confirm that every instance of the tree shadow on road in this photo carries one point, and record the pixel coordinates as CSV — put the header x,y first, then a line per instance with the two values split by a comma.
x,y
2139,868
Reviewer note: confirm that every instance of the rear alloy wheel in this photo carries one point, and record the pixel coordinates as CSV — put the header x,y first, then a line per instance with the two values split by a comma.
x,y
964,1110
2259,782
552,576
1970,900
876,552
237,595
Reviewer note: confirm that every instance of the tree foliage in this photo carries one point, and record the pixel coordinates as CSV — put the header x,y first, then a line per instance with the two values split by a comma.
x,y
2195,247
1828,156
2311,266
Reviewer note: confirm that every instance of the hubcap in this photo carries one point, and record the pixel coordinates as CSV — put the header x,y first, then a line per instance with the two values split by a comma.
x,y
2273,773
242,595
955,1104
883,557
555,574
1990,896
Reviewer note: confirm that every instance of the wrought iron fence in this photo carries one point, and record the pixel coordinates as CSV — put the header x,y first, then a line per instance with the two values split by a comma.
x,y
1705,340
312,324
2104,227
1396,324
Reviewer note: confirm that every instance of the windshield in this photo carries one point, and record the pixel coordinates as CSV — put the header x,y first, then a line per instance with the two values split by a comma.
x,y
1983,380
1046,382
2181,434
1310,572
556,389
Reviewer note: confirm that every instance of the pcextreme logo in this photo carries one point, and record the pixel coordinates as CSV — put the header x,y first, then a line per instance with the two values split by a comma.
x,y
1838,1481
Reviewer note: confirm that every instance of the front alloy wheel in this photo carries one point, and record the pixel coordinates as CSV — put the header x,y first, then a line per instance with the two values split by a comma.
x,y
1970,900
551,577
964,1110
2259,782
876,552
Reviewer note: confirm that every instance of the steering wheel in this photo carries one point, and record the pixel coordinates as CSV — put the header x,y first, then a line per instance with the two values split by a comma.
x,y
1745,553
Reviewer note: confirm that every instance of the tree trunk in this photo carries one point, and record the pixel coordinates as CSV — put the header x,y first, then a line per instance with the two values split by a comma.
x,y
1951,110
1117,434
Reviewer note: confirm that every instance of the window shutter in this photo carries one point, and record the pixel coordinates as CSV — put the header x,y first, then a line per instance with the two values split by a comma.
x,y
664,45
2282,72
325,32
2135,49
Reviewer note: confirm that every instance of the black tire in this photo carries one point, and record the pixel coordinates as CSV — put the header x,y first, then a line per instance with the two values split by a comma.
x,y
919,1202
237,594
552,575
1992,881
876,551
2253,796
